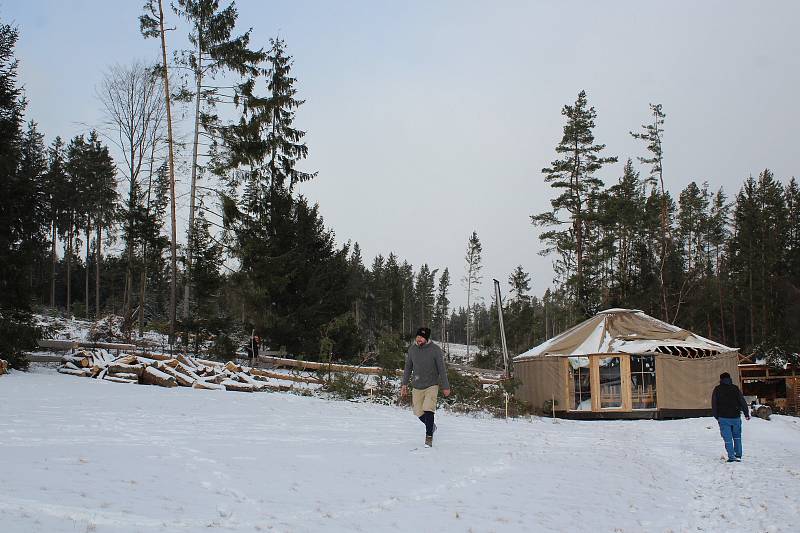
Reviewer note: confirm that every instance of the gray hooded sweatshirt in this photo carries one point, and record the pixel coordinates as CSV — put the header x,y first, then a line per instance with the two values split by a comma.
x,y
427,365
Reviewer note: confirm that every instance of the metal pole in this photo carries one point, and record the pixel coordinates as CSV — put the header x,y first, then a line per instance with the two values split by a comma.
x,y
502,328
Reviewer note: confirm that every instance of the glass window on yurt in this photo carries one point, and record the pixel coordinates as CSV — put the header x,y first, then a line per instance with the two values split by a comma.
x,y
580,384
643,382
610,383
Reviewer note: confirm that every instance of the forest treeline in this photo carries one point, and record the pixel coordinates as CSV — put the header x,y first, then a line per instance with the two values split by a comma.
x,y
88,225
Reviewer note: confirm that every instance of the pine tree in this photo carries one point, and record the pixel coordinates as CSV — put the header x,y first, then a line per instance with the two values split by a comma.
x,y
472,277
575,176
215,52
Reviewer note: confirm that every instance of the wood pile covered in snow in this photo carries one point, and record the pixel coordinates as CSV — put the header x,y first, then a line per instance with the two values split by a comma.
x,y
172,371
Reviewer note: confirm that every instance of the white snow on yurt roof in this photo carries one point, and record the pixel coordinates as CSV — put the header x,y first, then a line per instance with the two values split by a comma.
x,y
625,331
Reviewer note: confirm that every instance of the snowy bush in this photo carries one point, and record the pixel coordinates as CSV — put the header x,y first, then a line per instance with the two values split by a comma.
x,y
391,351
345,385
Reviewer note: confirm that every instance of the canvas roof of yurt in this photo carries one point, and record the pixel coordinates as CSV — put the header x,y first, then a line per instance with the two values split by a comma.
x,y
626,331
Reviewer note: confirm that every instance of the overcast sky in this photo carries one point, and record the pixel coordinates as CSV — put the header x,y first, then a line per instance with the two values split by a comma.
x,y
430,119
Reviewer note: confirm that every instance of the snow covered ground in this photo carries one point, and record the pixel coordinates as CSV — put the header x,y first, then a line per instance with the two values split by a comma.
x,y
82,455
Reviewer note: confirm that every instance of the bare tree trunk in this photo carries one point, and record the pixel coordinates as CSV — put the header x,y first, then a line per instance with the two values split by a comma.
x,y
190,244
721,304
173,245
69,269
86,276
97,247
469,309
53,269
142,292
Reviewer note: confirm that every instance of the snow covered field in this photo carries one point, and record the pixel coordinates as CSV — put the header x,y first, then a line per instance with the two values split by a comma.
x,y
82,455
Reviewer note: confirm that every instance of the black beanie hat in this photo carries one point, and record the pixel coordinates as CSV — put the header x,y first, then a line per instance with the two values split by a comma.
x,y
424,332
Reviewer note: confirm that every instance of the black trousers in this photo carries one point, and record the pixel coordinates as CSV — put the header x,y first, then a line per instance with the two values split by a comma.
x,y
427,419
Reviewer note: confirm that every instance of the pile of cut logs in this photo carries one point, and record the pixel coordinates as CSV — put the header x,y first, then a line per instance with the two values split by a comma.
x,y
169,371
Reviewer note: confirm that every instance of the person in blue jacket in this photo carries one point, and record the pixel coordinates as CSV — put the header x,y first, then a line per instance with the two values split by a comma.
x,y
727,405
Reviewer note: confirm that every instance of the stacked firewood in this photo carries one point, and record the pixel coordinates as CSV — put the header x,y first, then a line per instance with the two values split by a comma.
x,y
169,371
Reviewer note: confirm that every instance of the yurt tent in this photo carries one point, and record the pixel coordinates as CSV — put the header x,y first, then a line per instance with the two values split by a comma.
x,y
623,363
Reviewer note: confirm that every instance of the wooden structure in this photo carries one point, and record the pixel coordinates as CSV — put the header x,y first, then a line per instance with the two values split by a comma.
x,y
623,363
778,388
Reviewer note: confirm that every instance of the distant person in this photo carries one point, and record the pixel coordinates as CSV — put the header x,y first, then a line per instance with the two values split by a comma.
x,y
425,362
252,348
727,404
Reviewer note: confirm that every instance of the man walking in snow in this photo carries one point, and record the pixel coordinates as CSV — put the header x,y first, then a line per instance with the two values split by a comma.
x,y
425,361
727,403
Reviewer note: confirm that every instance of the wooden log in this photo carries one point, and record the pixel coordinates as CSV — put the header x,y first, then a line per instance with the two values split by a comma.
x,y
215,378
236,386
186,370
44,358
69,365
126,360
118,368
73,372
246,378
123,375
57,344
108,345
207,362
285,377
188,361
103,373
183,380
232,367
312,365
154,376
202,384
155,356
116,379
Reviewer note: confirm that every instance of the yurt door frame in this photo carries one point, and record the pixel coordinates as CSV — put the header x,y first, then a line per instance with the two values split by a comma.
x,y
606,394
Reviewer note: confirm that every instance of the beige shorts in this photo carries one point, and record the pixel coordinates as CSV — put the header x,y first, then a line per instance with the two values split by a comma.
x,y
424,399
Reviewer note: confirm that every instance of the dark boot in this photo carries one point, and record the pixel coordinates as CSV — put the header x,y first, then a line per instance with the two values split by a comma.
x,y
428,441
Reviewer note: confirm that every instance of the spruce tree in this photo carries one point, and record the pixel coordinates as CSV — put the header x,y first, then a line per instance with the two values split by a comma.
x,y
652,134
56,192
425,288
101,197
292,276
22,210
520,282
442,308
